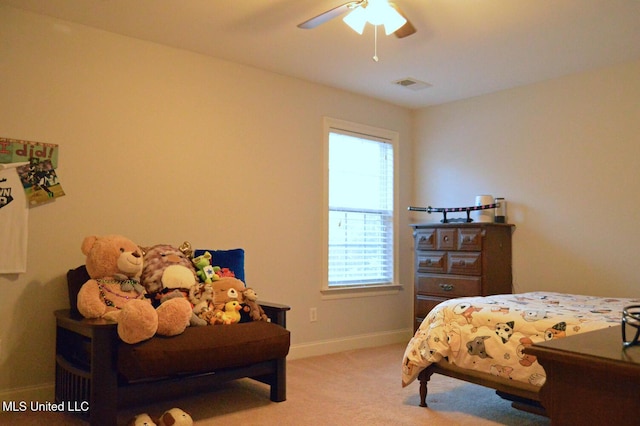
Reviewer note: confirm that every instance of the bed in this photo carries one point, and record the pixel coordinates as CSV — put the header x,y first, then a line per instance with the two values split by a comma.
x,y
482,340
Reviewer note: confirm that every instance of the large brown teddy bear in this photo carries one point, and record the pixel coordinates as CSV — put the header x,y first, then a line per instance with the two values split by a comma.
x,y
169,274
115,264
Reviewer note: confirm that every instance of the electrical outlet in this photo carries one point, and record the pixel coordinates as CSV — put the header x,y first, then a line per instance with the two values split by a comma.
x,y
313,314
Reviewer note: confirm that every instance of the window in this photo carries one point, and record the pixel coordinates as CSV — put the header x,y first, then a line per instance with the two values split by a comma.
x,y
360,231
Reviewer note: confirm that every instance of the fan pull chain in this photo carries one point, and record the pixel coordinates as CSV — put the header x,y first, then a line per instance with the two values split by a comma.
x,y
375,43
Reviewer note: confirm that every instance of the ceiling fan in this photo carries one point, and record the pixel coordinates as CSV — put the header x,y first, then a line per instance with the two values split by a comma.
x,y
376,12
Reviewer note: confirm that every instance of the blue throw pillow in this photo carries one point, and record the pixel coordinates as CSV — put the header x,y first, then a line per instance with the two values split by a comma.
x,y
232,259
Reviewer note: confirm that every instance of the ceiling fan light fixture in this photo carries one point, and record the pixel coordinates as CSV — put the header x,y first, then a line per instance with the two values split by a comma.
x,y
356,19
393,22
376,12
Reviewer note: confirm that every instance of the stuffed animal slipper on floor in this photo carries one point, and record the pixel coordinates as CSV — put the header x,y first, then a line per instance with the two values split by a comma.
x,y
172,417
142,420
175,417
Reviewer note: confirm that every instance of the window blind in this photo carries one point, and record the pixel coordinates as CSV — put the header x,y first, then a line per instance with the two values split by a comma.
x,y
360,210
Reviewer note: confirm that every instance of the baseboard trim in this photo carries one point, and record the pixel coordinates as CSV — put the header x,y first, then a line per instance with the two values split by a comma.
x,y
369,340
38,393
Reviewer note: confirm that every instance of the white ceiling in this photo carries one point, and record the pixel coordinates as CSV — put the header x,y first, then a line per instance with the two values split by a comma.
x,y
463,48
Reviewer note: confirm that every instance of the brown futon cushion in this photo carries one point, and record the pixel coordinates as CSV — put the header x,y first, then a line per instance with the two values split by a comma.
x,y
203,349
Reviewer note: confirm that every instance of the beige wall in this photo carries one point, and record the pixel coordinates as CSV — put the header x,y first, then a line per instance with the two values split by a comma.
x,y
566,156
162,146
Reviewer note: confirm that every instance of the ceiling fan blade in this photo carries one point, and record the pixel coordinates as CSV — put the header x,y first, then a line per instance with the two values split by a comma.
x,y
407,29
329,15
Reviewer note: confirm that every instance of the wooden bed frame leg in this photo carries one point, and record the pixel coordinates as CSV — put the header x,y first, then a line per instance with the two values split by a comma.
x,y
423,394
424,377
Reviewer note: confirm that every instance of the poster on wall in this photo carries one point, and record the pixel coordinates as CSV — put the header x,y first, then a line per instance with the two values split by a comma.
x,y
17,151
40,181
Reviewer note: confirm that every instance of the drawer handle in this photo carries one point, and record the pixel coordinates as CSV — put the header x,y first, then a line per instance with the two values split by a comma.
x,y
446,238
462,263
446,287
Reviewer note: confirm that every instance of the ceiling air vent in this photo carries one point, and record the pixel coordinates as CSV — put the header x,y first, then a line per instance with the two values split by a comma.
x,y
412,83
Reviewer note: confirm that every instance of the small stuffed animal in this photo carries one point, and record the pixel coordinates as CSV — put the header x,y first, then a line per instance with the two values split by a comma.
x,y
231,313
205,271
251,304
201,297
114,264
175,417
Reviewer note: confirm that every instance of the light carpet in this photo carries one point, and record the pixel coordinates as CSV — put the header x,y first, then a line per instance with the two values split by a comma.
x,y
348,388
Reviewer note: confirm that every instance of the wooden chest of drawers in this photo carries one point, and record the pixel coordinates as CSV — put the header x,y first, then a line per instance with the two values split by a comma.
x,y
459,260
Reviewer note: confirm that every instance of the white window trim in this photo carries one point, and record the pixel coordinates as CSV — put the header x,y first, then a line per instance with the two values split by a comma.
x,y
392,137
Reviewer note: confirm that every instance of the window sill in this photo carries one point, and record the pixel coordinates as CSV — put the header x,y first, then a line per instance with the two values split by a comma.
x,y
360,291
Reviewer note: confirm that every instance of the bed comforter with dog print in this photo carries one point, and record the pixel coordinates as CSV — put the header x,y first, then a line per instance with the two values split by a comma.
x,y
489,334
